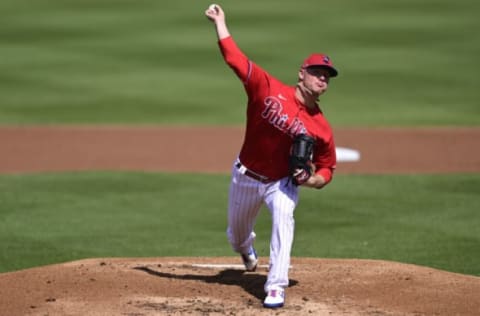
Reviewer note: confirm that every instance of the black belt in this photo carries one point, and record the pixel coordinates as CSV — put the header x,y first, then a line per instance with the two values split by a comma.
x,y
249,173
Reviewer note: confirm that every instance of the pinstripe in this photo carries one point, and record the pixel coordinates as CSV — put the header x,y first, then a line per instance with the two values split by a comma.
x,y
244,205
245,198
281,201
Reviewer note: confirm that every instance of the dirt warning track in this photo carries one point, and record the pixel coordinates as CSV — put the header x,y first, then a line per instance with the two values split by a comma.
x,y
213,149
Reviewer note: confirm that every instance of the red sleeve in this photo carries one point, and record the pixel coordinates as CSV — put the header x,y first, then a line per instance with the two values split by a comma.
x,y
235,58
326,173
326,162
253,77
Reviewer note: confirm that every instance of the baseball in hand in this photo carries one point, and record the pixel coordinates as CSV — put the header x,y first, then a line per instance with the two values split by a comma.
x,y
212,7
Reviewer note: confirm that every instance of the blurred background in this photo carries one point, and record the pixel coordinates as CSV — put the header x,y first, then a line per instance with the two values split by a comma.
x,y
142,61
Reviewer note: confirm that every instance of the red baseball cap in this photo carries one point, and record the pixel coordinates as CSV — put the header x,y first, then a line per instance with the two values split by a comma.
x,y
320,60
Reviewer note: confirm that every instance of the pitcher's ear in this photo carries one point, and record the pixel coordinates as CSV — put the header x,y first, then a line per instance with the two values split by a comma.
x,y
301,74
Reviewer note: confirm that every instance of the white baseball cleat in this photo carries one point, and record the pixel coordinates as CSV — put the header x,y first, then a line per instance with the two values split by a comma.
x,y
275,298
250,260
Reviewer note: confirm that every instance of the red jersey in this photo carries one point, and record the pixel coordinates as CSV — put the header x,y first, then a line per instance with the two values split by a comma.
x,y
274,116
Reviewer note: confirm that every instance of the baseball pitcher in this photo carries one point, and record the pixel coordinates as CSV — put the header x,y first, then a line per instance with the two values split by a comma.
x,y
288,143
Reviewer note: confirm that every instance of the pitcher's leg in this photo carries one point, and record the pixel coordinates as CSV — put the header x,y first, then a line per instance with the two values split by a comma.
x,y
281,202
243,207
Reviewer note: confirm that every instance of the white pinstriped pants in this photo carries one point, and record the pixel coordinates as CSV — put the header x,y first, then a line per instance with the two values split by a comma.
x,y
245,199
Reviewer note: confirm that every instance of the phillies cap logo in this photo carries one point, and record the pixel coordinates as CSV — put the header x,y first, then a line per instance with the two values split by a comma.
x,y
326,59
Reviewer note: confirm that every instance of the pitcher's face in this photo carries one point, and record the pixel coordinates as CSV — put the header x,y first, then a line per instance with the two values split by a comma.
x,y
315,79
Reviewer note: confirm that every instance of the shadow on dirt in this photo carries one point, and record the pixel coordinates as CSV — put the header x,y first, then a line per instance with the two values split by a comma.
x,y
252,283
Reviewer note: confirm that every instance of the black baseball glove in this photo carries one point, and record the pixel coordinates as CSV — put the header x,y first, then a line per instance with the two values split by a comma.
x,y
300,160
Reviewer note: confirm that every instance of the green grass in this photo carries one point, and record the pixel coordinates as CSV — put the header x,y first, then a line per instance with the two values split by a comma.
x,y
157,62
48,218
401,63
429,220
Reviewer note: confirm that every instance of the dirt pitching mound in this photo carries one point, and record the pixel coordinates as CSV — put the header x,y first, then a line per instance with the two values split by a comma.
x,y
220,286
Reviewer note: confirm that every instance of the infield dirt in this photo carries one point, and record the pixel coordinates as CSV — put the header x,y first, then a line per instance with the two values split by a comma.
x,y
179,286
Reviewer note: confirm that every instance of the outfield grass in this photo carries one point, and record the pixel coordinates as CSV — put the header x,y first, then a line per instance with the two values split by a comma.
x,y
53,218
143,61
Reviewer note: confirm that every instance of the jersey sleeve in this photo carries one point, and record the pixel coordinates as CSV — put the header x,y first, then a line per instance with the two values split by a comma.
x,y
235,58
325,160
253,77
